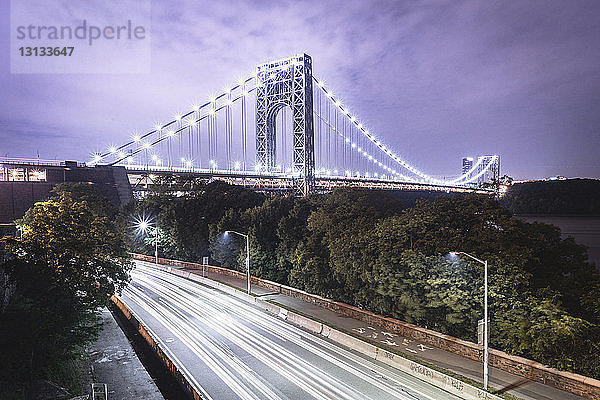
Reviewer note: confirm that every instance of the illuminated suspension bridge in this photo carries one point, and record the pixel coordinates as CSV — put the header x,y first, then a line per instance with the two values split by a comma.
x,y
282,129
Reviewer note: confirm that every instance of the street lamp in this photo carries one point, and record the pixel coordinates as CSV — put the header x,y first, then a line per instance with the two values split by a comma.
x,y
142,225
486,372
247,254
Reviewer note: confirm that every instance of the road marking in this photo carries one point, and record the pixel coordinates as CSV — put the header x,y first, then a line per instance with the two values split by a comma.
x,y
389,342
411,350
359,330
388,334
370,327
422,347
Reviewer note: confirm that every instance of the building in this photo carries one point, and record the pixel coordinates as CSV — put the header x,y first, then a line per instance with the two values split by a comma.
x,y
467,164
25,182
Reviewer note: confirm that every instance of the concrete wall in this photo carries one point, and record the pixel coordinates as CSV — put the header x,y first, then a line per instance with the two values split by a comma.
x,y
431,376
154,342
574,383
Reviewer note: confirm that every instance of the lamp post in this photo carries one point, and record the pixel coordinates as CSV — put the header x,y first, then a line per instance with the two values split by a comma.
x,y
247,255
485,316
156,245
142,226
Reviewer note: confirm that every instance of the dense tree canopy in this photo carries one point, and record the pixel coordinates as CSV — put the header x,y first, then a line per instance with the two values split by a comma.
x,y
364,248
568,197
69,260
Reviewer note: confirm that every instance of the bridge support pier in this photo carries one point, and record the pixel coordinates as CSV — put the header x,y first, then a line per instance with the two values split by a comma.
x,y
286,82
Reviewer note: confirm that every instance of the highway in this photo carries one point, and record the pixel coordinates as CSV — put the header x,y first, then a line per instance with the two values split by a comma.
x,y
234,350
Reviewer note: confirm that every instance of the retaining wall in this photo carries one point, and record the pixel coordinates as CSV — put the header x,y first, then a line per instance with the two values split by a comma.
x,y
431,376
152,340
567,381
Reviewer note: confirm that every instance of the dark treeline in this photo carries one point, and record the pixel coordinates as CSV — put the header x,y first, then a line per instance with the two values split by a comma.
x,y
365,248
572,197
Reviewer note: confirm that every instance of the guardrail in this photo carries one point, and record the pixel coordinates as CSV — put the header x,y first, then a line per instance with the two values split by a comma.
x,y
532,370
426,374
179,373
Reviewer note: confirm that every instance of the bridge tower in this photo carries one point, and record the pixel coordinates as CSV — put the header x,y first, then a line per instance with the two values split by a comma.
x,y
286,82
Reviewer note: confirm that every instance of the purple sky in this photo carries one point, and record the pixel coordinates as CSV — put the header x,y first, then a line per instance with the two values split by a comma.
x,y
435,80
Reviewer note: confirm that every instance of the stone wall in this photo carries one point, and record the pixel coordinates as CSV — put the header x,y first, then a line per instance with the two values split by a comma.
x,y
574,383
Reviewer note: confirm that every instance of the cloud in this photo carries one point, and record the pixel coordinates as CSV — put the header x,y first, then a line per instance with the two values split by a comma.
x,y
436,80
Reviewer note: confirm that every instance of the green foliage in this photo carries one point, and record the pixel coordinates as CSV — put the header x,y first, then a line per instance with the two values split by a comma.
x,y
186,218
363,248
68,262
571,196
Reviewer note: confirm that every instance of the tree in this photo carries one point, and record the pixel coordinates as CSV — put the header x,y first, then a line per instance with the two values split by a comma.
x,y
186,218
69,260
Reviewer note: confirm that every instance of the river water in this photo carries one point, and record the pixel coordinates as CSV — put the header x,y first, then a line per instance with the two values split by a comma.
x,y
585,230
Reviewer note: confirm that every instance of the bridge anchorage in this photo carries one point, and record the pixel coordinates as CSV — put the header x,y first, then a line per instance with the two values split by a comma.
x,y
329,145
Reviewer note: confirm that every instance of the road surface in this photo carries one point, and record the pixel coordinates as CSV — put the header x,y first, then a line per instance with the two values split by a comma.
x,y
234,350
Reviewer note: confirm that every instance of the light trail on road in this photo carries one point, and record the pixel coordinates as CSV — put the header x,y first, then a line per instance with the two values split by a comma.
x,y
233,349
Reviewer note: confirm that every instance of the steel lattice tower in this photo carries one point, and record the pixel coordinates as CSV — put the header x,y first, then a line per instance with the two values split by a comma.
x,y
286,82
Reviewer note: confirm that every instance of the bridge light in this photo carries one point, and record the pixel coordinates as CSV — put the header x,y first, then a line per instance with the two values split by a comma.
x,y
112,149
353,118
229,102
195,107
129,160
237,165
154,157
146,146
182,159
170,133
328,172
157,127
212,111
353,145
136,138
360,126
178,117
244,94
335,171
359,150
97,157
240,81
338,103
320,83
188,164
121,154
212,99
347,140
191,123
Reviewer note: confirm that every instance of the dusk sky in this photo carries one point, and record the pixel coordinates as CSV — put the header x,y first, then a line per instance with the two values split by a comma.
x,y
436,80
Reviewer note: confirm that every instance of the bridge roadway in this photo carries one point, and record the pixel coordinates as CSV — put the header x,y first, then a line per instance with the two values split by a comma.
x,y
141,177
236,351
